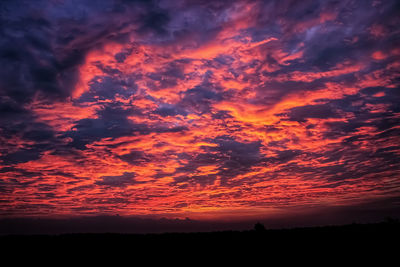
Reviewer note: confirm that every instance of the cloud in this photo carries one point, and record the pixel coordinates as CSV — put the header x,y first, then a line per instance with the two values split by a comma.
x,y
135,157
127,178
112,122
302,113
108,87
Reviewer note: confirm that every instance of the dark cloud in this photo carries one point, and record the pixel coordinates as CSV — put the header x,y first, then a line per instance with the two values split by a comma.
x,y
112,122
155,21
199,99
301,114
31,65
103,88
238,153
166,110
270,93
118,181
135,157
18,122
287,155
21,156
230,156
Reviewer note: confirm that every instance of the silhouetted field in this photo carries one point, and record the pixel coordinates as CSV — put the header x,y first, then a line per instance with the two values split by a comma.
x,y
348,238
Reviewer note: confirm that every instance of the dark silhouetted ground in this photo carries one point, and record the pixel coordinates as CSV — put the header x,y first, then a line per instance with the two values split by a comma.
x,y
367,239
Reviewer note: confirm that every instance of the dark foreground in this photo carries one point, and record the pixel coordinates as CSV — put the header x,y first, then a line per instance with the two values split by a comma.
x,y
368,238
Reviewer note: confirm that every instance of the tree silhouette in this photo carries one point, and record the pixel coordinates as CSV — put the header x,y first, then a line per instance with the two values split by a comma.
x,y
391,220
259,227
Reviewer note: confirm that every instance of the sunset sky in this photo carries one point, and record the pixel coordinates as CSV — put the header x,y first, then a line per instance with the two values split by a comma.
x,y
208,110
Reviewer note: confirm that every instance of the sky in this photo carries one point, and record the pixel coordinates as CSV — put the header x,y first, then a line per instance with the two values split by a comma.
x,y
207,110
